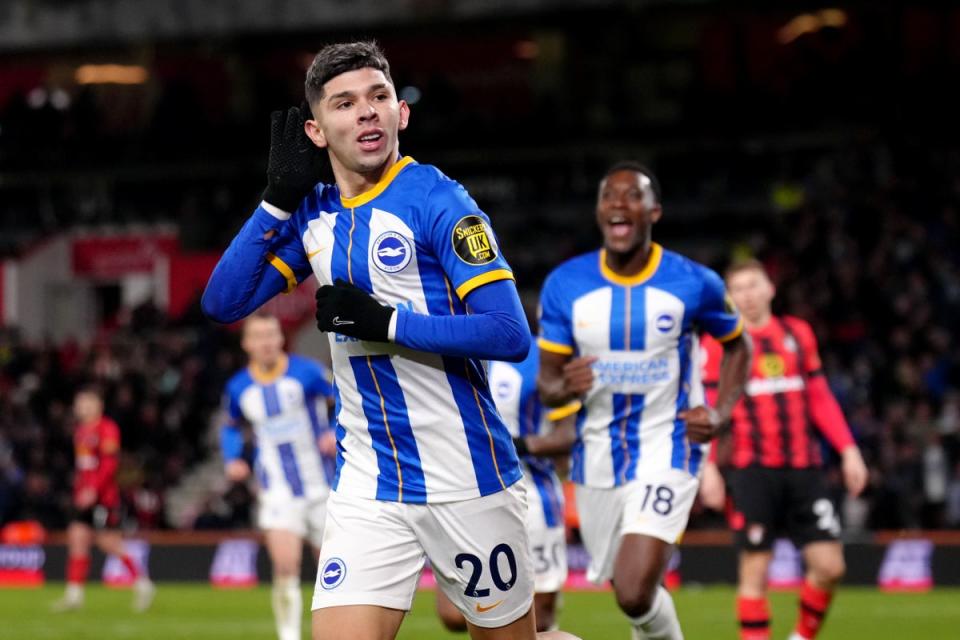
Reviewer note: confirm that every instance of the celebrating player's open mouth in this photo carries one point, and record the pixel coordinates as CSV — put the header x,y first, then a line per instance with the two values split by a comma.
x,y
371,140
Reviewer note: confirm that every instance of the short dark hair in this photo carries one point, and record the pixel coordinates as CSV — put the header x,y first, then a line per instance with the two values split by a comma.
x,y
342,57
91,388
636,167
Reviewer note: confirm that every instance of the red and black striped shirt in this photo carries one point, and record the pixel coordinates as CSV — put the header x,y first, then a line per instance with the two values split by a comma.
x,y
786,398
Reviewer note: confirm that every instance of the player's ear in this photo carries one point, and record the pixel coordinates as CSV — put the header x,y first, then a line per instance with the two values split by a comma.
x,y
404,115
315,133
656,213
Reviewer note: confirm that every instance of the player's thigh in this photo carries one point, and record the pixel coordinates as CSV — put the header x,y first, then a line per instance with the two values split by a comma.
x,y
523,628
370,555
753,568
448,613
758,504
110,541
285,549
825,563
811,516
639,568
479,551
601,517
79,538
359,622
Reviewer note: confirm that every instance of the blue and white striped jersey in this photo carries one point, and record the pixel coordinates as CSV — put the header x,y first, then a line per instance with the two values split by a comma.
x,y
287,409
643,332
514,387
411,426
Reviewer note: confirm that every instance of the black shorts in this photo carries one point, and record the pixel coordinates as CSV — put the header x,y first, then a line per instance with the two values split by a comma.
x,y
771,503
98,516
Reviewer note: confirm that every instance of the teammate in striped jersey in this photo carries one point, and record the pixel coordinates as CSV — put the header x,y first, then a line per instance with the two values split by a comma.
x,y
285,399
776,481
539,435
415,295
618,330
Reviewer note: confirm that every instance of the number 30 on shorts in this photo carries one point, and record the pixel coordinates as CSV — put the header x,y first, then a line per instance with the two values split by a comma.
x,y
476,571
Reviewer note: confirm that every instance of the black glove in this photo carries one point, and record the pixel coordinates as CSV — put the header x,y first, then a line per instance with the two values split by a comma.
x,y
521,446
295,165
348,310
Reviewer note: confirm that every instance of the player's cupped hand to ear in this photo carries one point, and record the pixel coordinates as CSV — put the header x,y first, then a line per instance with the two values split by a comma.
x,y
348,310
295,164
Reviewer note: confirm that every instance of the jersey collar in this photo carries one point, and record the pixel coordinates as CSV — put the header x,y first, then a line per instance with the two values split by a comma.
x,y
367,196
270,375
653,262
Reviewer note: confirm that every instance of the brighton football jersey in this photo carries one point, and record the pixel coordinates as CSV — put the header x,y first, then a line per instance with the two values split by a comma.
x,y
514,387
643,332
411,426
287,409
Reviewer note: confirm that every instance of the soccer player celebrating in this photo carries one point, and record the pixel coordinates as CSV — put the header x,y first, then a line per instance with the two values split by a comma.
x,y
285,399
415,294
96,502
618,331
538,435
776,482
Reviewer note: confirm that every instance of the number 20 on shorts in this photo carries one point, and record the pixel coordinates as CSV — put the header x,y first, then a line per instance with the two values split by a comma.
x,y
476,571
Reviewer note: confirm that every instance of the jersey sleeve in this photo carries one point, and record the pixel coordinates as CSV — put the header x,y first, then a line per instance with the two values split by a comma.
x,y
717,315
462,238
318,382
808,343
288,256
109,438
556,329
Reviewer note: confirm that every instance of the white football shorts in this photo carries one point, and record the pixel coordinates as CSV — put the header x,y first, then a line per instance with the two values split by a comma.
x,y
303,517
373,552
656,505
548,545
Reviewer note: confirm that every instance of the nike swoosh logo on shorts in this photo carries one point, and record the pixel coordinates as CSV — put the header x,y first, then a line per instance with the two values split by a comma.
x,y
337,322
483,609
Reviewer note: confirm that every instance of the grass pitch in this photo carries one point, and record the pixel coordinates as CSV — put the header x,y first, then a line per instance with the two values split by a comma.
x,y
198,612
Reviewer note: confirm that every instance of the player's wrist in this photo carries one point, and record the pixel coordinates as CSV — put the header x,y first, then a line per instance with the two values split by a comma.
x,y
285,200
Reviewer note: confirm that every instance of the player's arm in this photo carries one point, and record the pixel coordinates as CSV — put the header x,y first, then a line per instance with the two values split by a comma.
x,y
494,329
253,269
559,440
706,423
563,377
108,454
827,415
231,446
717,315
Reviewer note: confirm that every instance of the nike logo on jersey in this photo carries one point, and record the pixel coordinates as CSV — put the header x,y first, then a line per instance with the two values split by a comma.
x,y
310,254
337,322
483,609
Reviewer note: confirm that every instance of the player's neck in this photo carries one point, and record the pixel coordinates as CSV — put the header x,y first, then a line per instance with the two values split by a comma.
x,y
758,322
631,262
352,183
269,368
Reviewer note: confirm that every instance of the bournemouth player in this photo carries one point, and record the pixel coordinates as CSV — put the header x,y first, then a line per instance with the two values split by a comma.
x,y
776,483
618,331
425,466
96,502
538,435
285,399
